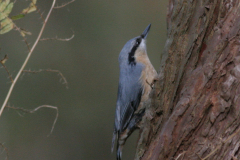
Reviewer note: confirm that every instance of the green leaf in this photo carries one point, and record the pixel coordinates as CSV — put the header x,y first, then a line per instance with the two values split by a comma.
x,y
24,33
32,7
6,23
18,16
8,8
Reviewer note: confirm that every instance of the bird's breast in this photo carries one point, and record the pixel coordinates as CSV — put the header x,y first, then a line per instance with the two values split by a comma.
x,y
146,79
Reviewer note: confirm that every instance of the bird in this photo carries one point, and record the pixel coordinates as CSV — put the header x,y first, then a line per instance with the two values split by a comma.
x,y
136,80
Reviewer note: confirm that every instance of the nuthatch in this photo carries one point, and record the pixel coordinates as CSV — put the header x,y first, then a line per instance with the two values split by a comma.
x,y
135,83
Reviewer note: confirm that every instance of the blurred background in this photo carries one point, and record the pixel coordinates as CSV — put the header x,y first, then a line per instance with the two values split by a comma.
x,y
90,64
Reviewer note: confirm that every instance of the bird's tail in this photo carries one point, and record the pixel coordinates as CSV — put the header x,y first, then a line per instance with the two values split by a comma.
x,y
119,146
113,139
119,151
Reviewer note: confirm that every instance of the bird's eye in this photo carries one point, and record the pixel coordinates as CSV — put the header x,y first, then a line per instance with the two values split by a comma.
x,y
138,41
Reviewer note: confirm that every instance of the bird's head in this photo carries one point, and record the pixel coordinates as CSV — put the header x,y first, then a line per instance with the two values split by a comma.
x,y
134,48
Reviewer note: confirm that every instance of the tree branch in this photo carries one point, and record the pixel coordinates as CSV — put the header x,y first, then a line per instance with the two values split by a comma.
x,y
49,70
36,109
6,150
58,39
2,62
27,58
63,5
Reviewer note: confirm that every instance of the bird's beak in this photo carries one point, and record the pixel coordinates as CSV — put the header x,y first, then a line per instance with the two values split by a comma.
x,y
145,32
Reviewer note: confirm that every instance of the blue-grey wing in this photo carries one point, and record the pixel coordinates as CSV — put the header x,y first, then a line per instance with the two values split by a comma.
x,y
130,106
129,96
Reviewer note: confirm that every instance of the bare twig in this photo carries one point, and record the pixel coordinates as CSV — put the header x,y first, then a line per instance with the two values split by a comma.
x,y
49,70
36,109
41,14
9,75
56,38
24,39
27,58
63,5
5,149
2,62
38,11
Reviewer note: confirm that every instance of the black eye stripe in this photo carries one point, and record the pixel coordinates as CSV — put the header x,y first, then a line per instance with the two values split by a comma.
x,y
131,59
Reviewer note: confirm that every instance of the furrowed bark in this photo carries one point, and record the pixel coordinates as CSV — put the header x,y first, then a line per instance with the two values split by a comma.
x,y
194,110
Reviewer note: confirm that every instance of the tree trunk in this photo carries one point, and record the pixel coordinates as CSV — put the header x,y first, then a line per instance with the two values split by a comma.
x,y
194,111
